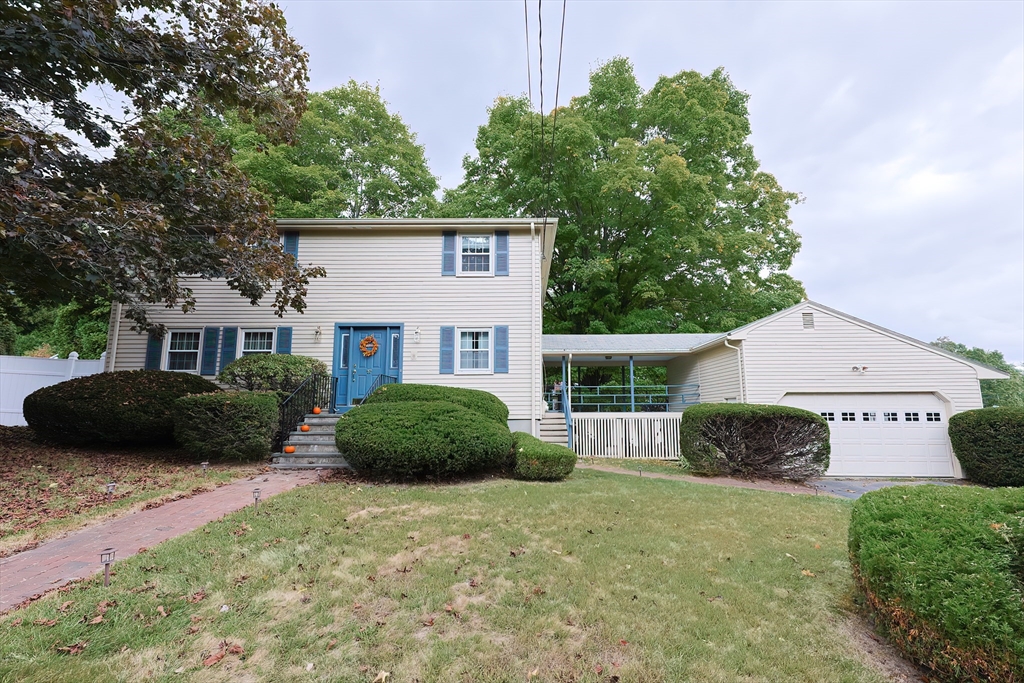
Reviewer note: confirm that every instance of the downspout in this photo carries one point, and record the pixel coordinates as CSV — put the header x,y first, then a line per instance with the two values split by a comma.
x,y
113,344
739,366
534,348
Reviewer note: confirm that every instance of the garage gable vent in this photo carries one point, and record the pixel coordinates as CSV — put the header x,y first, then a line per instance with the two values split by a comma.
x,y
808,321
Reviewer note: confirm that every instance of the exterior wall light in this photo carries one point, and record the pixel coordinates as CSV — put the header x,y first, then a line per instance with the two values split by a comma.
x,y
106,557
416,335
317,334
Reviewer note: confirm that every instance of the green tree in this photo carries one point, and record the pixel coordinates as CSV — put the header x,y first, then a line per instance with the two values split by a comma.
x,y
157,200
351,158
666,222
1008,393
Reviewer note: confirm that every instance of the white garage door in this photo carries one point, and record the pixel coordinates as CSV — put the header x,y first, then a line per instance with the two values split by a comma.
x,y
883,435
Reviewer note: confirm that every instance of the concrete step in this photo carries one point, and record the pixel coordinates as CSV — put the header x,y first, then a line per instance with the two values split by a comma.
x,y
295,461
321,419
295,438
322,448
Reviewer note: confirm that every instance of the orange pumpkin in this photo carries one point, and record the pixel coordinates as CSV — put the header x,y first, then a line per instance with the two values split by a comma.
x,y
289,449
316,410
304,428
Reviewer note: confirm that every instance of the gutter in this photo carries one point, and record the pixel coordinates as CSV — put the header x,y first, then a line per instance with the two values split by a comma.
x,y
739,366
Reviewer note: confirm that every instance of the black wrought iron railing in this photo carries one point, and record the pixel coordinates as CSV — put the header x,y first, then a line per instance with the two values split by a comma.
x,y
381,380
317,390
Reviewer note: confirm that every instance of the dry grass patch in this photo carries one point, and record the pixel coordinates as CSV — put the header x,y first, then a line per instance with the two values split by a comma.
x,y
596,579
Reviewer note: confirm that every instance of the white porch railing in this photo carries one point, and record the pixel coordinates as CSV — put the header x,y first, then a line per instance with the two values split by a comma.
x,y
21,375
626,435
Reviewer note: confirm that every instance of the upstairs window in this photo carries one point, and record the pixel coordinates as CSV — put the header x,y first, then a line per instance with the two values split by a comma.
x,y
183,351
475,255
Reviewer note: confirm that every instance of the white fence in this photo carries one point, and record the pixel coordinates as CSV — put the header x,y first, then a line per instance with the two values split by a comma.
x,y
626,435
21,375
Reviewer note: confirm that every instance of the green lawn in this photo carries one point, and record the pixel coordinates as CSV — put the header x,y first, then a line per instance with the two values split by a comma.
x,y
598,578
638,464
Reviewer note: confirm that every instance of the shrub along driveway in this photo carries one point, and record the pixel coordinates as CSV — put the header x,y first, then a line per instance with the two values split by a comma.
x,y
598,578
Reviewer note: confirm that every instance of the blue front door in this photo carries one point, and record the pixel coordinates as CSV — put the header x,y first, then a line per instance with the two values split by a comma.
x,y
362,353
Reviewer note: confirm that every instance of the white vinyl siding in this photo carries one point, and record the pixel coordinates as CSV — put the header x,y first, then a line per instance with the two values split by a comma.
x,y
781,356
410,292
719,372
681,370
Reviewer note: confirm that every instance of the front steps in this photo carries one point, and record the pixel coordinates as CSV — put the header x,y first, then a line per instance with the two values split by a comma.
x,y
552,429
314,448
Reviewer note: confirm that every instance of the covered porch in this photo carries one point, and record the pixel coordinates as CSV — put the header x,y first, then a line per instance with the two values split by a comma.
x,y
636,416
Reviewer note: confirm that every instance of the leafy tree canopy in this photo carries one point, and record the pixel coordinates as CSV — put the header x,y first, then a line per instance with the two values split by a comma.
x,y
351,158
666,222
1008,393
119,206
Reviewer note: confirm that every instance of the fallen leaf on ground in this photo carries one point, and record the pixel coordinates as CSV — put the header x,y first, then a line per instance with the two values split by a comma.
x,y
807,572
382,677
16,622
309,666
332,643
72,649
196,597
45,622
214,658
96,620
162,611
64,607
236,650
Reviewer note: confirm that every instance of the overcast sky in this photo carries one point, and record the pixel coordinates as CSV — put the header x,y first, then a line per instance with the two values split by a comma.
x,y
902,124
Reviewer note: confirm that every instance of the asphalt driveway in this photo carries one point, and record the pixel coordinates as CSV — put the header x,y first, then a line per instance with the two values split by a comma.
x,y
855,488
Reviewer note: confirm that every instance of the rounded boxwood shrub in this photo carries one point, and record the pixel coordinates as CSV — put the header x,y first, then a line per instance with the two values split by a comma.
x,y
227,425
940,570
481,402
280,372
128,406
989,443
537,460
413,439
751,440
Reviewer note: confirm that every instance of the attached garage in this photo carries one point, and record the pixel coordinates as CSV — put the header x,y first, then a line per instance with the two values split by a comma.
x,y
883,435
887,397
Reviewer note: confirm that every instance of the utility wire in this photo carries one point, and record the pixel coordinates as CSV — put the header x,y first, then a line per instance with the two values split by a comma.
x,y
554,120
529,78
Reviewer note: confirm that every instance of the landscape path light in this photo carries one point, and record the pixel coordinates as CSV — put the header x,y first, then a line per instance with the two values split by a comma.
x,y
106,557
205,464
256,500
319,474
110,491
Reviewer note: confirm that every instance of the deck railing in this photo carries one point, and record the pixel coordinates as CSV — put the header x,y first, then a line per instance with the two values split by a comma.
x,y
627,435
316,390
655,398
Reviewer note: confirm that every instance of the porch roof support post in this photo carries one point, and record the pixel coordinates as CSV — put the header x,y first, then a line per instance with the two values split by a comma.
x,y
632,388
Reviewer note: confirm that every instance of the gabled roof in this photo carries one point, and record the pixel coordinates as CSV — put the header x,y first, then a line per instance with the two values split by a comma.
x,y
984,371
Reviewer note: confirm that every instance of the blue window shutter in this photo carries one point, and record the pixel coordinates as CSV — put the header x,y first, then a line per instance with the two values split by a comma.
x,y
501,253
448,253
501,348
228,346
208,366
447,350
291,243
154,345
284,340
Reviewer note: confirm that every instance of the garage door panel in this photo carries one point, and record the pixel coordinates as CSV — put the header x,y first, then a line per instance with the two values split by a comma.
x,y
883,435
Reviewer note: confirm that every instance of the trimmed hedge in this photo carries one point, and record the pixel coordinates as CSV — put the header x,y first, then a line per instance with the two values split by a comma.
x,y
270,372
941,570
481,402
227,425
750,440
989,443
413,439
124,407
537,460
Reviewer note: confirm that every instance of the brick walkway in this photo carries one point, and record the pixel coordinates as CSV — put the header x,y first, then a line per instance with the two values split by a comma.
x,y
51,565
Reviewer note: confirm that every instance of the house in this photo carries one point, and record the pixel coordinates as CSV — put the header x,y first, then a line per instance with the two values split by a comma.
x,y
457,302
451,302
887,397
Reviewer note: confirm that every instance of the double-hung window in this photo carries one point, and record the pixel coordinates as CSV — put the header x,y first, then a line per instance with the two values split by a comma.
x,y
475,255
257,341
474,354
183,350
